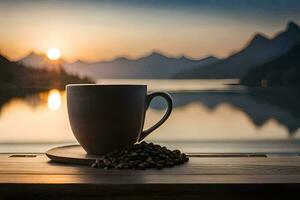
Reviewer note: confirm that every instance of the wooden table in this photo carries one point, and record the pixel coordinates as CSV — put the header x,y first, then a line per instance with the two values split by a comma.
x,y
34,177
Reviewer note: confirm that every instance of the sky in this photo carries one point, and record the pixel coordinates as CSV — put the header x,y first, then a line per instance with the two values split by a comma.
x,y
102,30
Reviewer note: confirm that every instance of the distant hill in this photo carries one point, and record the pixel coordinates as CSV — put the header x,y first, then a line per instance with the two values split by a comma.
x,y
152,66
284,70
259,50
16,76
41,61
7,72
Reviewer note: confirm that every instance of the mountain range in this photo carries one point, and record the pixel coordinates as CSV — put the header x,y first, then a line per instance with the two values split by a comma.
x,y
41,61
14,75
152,66
258,51
17,80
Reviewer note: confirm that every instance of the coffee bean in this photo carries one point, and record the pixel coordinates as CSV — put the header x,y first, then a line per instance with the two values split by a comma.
x,y
186,159
176,161
159,166
107,162
148,159
94,165
120,166
164,156
170,164
141,166
134,154
126,166
177,152
141,156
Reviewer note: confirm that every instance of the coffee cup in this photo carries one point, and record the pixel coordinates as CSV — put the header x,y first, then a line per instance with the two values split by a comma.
x,y
107,117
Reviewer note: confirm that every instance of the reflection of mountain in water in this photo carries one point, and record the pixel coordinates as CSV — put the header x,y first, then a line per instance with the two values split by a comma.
x,y
260,105
17,80
7,94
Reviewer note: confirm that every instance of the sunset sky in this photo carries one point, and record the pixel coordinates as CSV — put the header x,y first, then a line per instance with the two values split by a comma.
x,y
93,30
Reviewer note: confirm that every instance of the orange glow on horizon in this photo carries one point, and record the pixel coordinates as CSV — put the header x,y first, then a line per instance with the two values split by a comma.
x,y
93,32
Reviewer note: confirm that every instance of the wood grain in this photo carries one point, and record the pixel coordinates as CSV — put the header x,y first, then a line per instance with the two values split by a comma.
x,y
226,177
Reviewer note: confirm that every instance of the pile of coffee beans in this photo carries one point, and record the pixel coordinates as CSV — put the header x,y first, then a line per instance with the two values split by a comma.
x,y
141,156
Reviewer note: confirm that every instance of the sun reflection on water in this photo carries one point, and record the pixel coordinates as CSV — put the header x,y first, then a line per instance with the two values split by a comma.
x,y
199,116
54,99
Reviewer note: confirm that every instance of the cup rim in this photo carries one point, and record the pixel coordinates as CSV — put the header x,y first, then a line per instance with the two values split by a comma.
x,y
104,85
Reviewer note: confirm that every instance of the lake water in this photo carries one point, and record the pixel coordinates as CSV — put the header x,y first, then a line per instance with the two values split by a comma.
x,y
207,114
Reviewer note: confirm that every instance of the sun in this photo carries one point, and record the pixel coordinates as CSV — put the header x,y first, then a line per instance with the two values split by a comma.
x,y
53,53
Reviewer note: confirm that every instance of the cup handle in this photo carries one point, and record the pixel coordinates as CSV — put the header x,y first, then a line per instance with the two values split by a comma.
x,y
151,96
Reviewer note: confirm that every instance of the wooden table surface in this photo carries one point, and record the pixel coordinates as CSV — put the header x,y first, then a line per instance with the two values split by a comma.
x,y
205,177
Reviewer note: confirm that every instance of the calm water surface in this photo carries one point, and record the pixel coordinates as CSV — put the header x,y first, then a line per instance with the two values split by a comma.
x,y
205,111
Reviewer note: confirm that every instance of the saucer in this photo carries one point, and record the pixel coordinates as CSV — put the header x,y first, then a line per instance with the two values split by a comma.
x,y
71,154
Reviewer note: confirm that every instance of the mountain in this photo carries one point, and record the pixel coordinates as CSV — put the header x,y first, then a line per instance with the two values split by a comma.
x,y
41,61
7,71
259,50
284,70
152,66
14,75
17,80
